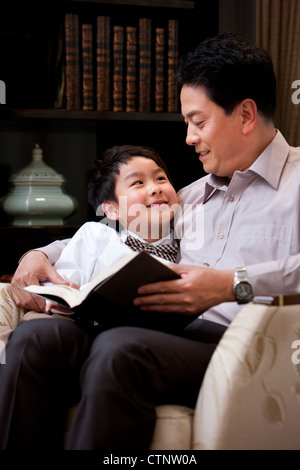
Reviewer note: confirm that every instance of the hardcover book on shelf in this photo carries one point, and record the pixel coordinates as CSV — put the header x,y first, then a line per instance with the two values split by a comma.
x,y
103,64
131,71
108,298
159,69
87,68
69,59
76,66
118,68
144,56
172,101
72,62
56,69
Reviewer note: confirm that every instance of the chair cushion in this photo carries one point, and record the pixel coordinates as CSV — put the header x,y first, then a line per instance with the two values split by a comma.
x,y
173,428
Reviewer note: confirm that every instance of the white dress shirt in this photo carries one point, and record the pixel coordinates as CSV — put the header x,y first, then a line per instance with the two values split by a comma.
x,y
94,248
253,221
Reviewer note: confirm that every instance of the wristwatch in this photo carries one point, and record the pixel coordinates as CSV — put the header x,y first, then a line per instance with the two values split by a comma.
x,y
241,286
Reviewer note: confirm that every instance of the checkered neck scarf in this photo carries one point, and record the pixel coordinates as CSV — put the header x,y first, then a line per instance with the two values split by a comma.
x,y
166,251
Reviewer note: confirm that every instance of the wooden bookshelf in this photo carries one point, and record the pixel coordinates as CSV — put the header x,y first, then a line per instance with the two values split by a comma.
x,y
72,139
18,113
54,30
182,4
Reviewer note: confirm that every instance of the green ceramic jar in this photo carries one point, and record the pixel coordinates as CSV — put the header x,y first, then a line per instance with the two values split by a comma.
x,y
37,195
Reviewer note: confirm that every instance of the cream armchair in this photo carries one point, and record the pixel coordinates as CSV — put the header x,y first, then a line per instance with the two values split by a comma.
x,y
250,396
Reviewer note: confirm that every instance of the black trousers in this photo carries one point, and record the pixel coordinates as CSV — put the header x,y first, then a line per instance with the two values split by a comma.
x,y
117,377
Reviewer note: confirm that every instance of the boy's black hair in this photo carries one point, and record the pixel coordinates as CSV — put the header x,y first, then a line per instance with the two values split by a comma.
x,y
231,69
103,177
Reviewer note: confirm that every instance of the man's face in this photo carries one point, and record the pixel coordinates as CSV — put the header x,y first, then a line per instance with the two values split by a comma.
x,y
145,198
217,137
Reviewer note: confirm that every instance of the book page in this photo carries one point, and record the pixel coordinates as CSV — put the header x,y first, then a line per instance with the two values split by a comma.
x,y
74,296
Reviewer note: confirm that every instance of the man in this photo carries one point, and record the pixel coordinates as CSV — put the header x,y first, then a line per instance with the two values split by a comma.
x,y
249,206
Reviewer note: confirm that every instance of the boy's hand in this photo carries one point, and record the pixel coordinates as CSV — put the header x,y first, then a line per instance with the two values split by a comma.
x,y
196,291
33,269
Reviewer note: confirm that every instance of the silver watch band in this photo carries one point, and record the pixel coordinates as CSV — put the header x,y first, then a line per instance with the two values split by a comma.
x,y
240,274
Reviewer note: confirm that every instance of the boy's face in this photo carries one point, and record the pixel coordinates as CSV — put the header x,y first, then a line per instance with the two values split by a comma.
x,y
145,196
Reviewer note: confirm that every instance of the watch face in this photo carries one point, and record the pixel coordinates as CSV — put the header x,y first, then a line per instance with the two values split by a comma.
x,y
243,291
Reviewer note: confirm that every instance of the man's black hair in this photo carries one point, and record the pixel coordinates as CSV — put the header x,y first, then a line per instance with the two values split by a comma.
x,y
231,69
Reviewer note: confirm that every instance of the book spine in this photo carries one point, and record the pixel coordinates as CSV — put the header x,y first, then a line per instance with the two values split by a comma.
x,y
87,68
144,64
69,57
103,64
159,68
55,69
172,102
131,69
76,34
118,68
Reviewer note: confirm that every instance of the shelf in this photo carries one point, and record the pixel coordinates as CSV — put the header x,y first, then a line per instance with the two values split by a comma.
x,y
183,4
6,113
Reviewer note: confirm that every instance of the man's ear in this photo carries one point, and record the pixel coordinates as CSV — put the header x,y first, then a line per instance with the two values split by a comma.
x,y
249,115
111,210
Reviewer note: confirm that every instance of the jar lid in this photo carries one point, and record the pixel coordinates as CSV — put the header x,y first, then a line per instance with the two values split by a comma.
x,y
37,172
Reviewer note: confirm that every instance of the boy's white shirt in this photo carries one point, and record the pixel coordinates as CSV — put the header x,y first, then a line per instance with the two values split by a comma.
x,y
94,248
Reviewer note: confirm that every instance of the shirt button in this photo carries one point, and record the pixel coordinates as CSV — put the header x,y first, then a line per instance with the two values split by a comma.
x,y
231,198
221,235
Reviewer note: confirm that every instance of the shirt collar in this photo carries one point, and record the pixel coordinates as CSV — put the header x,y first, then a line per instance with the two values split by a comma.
x,y
213,184
268,165
168,239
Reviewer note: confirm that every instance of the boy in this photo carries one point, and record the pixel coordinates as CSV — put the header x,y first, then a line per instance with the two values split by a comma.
x,y
131,186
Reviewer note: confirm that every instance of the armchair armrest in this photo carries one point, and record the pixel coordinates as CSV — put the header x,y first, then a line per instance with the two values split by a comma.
x,y
250,396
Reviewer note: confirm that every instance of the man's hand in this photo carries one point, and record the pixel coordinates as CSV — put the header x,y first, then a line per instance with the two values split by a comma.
x,y
33,269
196,291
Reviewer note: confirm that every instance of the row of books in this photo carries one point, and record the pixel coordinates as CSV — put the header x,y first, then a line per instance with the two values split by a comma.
x,y
112,67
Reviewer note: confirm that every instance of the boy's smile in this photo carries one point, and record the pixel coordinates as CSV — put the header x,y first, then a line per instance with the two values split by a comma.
x,y
145,198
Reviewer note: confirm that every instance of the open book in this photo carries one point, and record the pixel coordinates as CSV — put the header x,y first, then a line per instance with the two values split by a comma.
x,y
108,298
